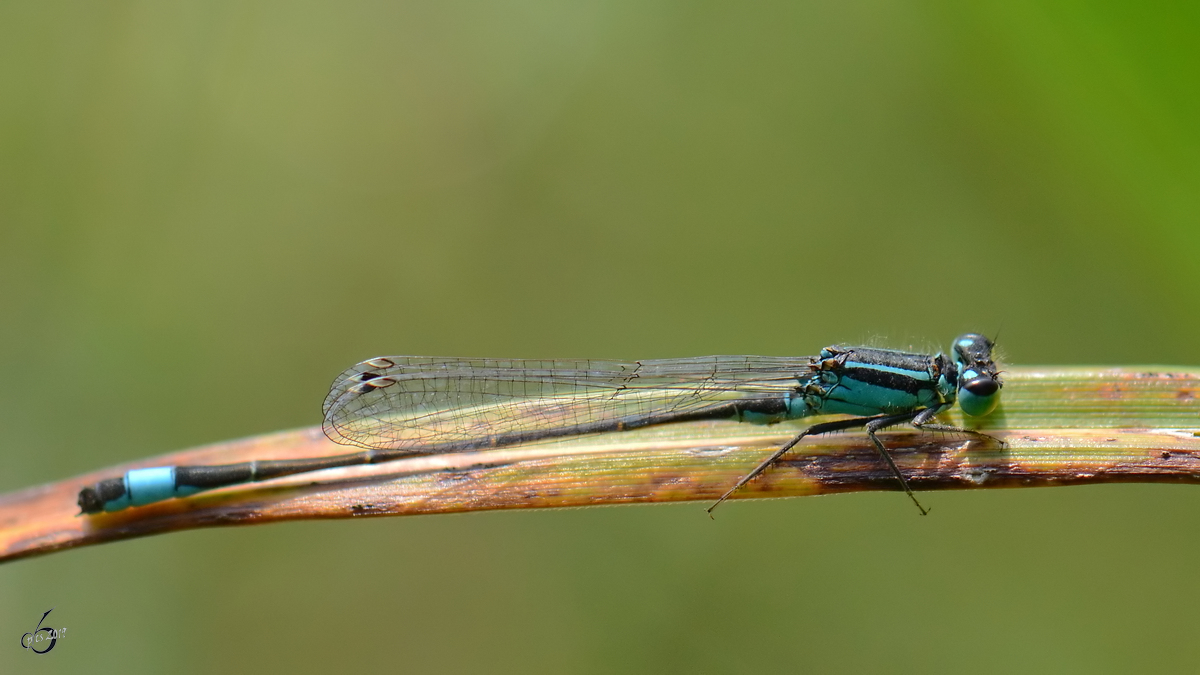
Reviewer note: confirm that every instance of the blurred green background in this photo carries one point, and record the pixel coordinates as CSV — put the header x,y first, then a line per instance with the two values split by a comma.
x,y
208,209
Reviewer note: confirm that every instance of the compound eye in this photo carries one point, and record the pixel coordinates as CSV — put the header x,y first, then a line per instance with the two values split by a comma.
x,y
972,345
982,386
979,396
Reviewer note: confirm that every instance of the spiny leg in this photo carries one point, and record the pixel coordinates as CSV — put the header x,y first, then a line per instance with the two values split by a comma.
x,y
814,430
921,421
892,420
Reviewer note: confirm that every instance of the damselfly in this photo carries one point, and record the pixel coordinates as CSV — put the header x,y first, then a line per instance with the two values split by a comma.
x,y
401,406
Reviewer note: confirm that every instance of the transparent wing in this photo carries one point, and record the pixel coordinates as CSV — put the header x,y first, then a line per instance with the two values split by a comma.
x,y
436,404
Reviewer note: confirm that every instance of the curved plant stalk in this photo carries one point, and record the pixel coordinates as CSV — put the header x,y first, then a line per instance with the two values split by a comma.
x,y
1059,427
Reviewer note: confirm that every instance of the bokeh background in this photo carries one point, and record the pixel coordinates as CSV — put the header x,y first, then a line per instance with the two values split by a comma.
x,y
208,209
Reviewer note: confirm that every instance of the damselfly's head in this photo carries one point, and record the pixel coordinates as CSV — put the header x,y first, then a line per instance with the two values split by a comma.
x,y
978,381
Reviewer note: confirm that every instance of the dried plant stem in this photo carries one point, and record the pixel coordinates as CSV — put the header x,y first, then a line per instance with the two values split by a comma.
x,y
1059,427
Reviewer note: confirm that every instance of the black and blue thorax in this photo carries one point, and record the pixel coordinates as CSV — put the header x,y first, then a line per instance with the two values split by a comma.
x,y
866,381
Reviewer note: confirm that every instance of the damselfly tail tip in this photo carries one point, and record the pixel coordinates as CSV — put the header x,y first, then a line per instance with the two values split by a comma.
x,y
89,501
